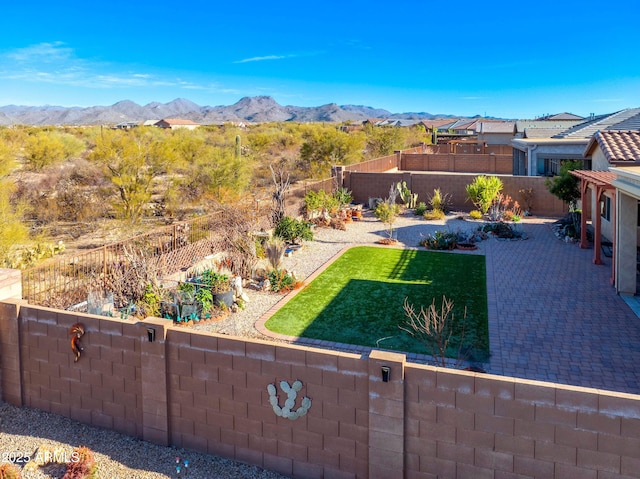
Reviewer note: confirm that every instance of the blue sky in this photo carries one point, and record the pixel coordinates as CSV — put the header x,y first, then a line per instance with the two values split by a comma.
x,y
499,58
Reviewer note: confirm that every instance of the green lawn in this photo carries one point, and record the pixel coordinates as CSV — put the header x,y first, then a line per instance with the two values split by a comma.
x,y
359,298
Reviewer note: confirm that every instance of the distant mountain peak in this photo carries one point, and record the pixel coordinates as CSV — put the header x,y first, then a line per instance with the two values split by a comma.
x,y
262,108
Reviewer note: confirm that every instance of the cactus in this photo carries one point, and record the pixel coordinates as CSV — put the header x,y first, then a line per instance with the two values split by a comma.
x,y
238,146
9,471
408,199
82,466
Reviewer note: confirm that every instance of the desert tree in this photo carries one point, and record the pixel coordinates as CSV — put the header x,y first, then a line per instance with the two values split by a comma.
x,y
132,161
565,186
325,146
208,170
383,140
13,231
48,147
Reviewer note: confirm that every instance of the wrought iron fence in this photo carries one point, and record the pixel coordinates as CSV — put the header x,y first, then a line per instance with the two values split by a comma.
x,y
66,280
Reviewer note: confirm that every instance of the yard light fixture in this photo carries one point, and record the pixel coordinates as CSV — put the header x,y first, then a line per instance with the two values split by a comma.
x,y
386,373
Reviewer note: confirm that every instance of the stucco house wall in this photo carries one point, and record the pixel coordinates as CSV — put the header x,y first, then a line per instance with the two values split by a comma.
x,y
599,161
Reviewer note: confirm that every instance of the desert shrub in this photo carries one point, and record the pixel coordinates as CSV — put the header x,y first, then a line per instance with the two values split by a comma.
x,y
502,230
420,209
82,466
438,329
440,240
504,208
483,190
337,224
434,215
318,201
387,211
526,194
292,230
149,304
438,201
475,214
44,148
9,471
274,249
343,196
281,281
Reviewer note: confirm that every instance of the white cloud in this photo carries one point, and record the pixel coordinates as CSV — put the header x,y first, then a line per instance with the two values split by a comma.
x,y
56,63
277,57
261,59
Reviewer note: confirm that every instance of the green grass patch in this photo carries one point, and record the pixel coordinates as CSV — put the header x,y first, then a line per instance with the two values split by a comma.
x,y
359,298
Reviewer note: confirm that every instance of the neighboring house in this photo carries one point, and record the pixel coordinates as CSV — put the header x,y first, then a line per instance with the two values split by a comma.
x,y
562,116
397,122
436,125
496,132
615,192
390,122
126,125
175,123
150,123
372,121
543,128
542,156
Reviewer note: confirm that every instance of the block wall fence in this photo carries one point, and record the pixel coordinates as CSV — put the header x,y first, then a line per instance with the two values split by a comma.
x,y
208,393
463,163
366,185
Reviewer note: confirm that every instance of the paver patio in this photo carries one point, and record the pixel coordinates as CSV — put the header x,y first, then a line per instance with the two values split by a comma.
x,y
553,314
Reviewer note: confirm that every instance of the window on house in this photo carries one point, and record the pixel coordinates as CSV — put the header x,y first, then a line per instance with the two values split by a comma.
x,y
605,208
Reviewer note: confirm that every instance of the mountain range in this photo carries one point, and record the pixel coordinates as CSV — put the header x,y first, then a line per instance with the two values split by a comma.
x,y
249,109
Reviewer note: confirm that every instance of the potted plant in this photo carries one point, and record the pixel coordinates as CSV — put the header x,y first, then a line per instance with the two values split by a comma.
x,y
186,301
220,286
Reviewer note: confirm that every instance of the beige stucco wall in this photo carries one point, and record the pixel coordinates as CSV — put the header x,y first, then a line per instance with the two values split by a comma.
x,y
598,161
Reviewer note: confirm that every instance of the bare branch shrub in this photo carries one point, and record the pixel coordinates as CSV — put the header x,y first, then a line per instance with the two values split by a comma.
x,y
282,183
437,328
236,240
128,278
274,249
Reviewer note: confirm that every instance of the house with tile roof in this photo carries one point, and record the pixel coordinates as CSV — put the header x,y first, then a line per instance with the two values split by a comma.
x,y
614,182
542,156
175,123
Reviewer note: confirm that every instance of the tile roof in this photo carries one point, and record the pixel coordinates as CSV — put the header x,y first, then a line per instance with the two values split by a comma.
x,y
496,127
557,125
437,123
617,145
624,119
178,121
539,132
562,116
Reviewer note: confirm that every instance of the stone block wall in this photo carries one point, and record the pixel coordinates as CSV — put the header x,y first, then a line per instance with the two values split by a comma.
x,y
209,393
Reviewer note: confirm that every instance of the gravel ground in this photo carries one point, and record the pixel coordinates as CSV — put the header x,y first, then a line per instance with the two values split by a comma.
x,y
23,430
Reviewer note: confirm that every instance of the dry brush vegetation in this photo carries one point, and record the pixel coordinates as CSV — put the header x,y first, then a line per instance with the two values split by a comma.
x,y
87,186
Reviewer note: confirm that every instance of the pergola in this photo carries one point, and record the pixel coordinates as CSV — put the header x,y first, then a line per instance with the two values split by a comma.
x,y
598,182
